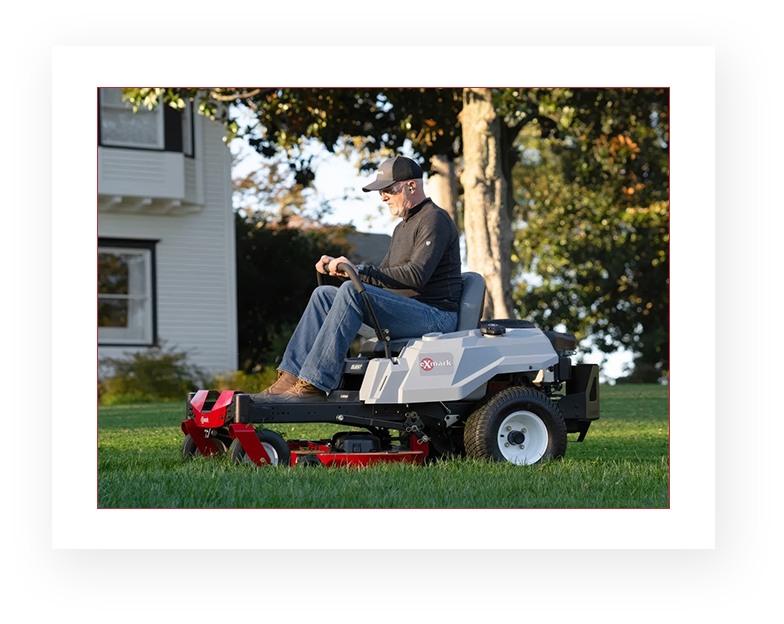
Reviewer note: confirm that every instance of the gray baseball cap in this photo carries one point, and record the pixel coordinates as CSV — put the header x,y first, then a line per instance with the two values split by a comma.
x,y
394,170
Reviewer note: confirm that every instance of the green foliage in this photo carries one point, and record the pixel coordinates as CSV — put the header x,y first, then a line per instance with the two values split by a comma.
x,y
593,197
275,277
156,375
251,383
281,120
151,375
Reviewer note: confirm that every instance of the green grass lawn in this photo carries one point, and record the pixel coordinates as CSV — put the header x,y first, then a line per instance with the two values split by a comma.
x,y
623,462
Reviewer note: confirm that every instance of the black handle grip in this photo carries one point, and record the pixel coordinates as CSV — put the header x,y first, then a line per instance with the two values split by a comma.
x,y
346,268
352,275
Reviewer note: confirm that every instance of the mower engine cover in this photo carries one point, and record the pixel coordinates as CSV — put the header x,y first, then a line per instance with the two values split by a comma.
x,y
450,367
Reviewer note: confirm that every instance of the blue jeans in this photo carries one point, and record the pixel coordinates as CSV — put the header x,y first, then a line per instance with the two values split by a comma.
x,y
318,348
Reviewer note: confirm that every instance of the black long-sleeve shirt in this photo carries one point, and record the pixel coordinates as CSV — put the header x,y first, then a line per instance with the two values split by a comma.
x,y
423,261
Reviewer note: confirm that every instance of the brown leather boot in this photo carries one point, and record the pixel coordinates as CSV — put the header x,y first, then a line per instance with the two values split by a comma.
x,y
283,383
302,391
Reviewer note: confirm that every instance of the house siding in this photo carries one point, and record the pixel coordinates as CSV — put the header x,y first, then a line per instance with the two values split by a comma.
x,y
195,259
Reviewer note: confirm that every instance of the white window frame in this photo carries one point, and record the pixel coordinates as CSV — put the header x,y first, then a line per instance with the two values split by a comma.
x,y
124,336
157,112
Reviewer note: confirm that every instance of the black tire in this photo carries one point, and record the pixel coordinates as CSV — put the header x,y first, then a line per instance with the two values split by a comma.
x,y
518,425
189,448
276,447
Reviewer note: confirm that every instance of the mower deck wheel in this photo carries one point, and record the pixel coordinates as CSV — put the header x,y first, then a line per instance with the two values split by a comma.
x,y
274,445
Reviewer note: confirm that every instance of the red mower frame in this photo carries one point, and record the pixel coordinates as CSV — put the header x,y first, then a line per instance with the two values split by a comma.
x,y
206,427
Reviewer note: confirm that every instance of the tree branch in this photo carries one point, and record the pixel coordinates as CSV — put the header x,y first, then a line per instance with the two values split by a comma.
x,y
235,96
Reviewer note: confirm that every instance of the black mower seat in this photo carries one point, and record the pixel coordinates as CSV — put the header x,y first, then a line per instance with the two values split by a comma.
x,y
469,312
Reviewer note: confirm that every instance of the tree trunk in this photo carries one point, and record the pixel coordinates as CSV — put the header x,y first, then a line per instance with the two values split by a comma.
x,y
442,184
487,225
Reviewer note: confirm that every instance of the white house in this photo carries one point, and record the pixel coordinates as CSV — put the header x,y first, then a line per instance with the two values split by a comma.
x,y
166,252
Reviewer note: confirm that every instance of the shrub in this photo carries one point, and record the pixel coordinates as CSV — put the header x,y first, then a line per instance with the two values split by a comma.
x,y
247,382
156,375
148,376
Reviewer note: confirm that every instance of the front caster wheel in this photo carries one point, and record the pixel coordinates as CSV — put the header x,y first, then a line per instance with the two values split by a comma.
x,y
517,425
274,445
189,448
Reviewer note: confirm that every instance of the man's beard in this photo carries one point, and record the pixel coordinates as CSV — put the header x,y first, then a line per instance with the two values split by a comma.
x,y
398,212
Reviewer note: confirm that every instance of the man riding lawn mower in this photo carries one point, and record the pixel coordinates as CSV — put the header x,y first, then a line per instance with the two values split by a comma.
x,y
432,380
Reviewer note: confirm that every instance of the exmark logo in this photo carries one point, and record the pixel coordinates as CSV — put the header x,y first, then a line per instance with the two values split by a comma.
x,y
438,364
427,364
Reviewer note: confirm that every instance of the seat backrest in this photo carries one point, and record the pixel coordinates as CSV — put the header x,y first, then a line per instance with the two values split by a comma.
x,y
472,301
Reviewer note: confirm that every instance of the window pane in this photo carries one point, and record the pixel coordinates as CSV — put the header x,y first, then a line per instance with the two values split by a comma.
x,y
123,320
122,127
129,128
112,313
124,295
112,97
122,274
112,274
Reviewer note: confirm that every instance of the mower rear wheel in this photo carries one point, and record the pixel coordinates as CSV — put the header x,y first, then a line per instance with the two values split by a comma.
x,y
518,425
274,445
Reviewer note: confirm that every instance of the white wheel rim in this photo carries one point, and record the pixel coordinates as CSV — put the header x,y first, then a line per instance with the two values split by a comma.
x,y
532,429
271,453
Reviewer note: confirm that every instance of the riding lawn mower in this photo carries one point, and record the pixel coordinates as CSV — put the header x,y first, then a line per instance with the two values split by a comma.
x,y
500,390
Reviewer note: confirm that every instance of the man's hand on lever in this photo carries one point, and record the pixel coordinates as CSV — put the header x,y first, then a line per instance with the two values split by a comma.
x,y
327,265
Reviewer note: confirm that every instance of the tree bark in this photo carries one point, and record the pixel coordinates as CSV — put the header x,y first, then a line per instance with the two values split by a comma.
x,y
485,191
442,184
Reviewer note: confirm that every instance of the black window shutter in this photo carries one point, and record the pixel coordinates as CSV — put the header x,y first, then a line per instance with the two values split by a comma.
x,y
172,129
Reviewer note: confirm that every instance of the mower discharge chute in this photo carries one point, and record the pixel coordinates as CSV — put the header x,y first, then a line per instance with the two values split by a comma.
x,y
501,390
